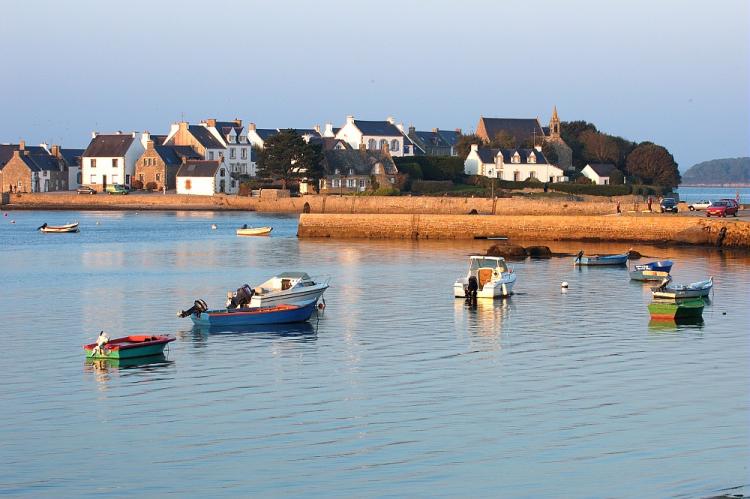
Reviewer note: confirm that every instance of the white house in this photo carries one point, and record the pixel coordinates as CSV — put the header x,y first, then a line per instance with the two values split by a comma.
x,y
205,178
599,173
375,135
110,159
512,164
223,141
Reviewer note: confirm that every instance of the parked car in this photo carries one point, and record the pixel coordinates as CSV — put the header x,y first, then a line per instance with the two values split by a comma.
x,y
118,189
722,208
699,205
668,205
86,189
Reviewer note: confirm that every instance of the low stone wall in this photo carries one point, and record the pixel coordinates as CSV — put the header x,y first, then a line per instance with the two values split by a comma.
x,y
669,230
316,204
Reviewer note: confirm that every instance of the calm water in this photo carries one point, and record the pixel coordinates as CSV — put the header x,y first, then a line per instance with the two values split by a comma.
x,y
397,390
690,194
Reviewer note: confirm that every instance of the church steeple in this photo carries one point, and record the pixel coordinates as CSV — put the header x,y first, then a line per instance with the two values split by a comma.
x,y
554,124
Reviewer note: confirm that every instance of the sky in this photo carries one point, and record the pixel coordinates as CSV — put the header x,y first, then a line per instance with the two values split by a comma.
x,y
674,72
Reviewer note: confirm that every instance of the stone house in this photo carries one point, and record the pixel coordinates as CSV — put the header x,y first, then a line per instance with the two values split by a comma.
x,y
72,163
205,178
528,132
512,164
599,173
32,170
357,170
158,165
110,159
375,135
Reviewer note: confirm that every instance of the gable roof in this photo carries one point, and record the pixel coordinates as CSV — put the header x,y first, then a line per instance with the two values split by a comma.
x,y
172,155
264,133
109,146
6,151
449,136
487,155
382,128
72,156
521,128
41,162
603,169
158,139
361,161
204,137
224,127
433,139
198,168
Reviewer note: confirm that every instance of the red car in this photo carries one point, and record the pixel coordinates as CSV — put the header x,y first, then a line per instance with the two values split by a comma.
x,y
722,208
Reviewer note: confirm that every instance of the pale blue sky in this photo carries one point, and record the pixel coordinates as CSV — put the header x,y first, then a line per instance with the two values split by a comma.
x,y
674,72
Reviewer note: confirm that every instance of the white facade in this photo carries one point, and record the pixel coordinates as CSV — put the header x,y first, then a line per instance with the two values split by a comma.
x,y
515,170
97,171
589,173
207,186
351,134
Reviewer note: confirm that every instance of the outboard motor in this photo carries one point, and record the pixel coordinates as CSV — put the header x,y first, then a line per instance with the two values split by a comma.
x,y
198,307
241,297
470,290
663,284
578,257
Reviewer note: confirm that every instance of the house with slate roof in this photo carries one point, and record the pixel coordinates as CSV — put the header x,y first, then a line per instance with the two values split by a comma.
x,y
356,170
238,154
436,142
71,159
110,159
512,164
376,135
157,167
31,169
599,173
204,178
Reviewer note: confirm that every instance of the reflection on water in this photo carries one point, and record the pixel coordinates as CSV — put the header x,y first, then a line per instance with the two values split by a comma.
x,y
672,326
398,389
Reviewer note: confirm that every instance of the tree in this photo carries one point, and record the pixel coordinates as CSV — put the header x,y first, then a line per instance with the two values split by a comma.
x,y
286,156
550,153
503,140
616,178
598,147
464,143
570,132
653,164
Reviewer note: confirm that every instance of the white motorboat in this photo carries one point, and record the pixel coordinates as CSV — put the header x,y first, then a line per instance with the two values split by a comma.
x,y
288,288
491,277
666,289
59,229
254,231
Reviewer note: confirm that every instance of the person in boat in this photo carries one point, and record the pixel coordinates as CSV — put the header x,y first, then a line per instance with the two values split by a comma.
x,y
102,340
244,226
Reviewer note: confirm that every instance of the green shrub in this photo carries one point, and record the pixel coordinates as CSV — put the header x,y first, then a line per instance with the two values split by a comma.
x,y
151,186
136,185
431,186
434,167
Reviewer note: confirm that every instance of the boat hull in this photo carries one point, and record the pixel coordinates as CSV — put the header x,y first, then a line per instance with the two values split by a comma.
x,y
295,296
648,275
679,292
672,311
602,260
498,289
280,314
129,347
660,266
59,229
257,231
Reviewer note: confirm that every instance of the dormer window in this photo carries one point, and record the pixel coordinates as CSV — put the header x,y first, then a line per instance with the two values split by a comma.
x,y
243,139
351,171
532,158
230,138
516,158
337,172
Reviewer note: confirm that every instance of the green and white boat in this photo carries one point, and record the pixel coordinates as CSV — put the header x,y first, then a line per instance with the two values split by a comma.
x,y
128,347
673,310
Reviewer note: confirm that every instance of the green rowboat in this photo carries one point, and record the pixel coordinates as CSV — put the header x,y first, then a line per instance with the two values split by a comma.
x,y
675,310
128,347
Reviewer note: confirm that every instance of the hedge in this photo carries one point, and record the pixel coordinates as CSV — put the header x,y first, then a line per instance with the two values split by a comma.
x,y
433,167
430,186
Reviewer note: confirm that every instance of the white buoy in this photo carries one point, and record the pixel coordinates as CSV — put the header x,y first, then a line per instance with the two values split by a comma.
x,y
564,285
213,226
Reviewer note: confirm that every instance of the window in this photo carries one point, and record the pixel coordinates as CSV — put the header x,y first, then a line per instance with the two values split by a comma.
x,y
392,180
383,143
351,171
232,153
372,144
516,158
44,174
516,176
532,158
350,182
362,182
114,162
140,177
210,155
394,145
243,139
158,177
79,177
532,174
92,180
335,182
93,163
221,172
231,139
188,184
243,153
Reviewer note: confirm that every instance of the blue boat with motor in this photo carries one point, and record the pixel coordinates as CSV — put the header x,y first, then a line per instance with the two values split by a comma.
x,y
652,271
248,316
595,260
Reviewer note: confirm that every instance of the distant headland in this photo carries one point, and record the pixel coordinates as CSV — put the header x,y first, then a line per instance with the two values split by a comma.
x,y
726,172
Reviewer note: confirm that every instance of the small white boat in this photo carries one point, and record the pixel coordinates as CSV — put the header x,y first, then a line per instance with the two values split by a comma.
x,y
288,288
489,274
59,229
254,231
676,291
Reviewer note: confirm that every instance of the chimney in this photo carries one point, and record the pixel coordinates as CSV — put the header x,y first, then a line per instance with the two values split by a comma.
x,y
55,150
350,120
390,120
94,134
149,144
251,126
434,130
412,130
328,131
211,122
21,145
237,122
475,147
317,129
538,148
458,131
133,134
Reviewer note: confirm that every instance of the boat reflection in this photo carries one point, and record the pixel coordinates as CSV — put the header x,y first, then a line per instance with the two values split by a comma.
x,y
483,321
303,330
104,365
672,326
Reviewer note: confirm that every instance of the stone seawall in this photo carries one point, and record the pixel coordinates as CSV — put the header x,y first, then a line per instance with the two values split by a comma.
x,y
669,230
315,204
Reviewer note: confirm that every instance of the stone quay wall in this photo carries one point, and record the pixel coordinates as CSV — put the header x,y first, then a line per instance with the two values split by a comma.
x,y
659,230
314,204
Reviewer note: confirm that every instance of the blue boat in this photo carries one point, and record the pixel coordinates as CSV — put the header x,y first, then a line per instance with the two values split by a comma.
x,y
660,266
278,314
601,259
